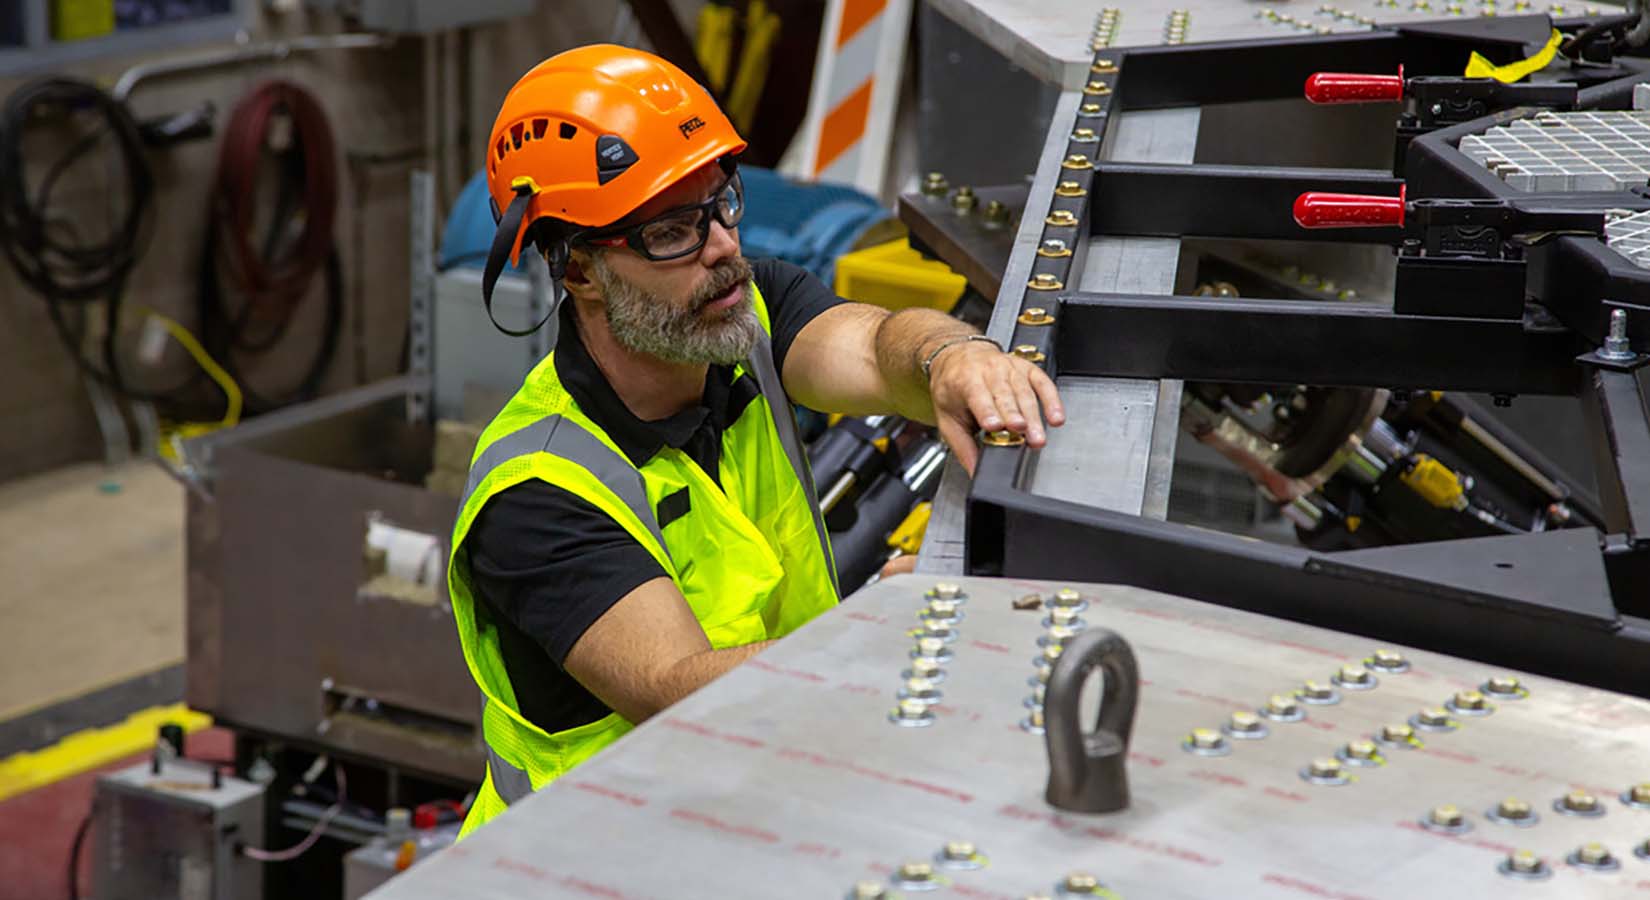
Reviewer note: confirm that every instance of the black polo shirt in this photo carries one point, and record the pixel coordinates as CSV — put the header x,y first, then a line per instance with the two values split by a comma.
x,y
547,564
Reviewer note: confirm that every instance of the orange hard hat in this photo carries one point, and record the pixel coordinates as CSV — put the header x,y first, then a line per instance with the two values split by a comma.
x,y
589,135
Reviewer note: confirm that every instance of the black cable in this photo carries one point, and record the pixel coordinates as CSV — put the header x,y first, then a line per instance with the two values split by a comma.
x,y
250,287
74,856
1572,47
43,243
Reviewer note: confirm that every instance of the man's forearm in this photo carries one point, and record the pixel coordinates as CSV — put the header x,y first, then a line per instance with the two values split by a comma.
x,y
693,672
903,341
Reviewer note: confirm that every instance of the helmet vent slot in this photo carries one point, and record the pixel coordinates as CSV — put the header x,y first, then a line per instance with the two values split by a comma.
x,y
568,129
539,127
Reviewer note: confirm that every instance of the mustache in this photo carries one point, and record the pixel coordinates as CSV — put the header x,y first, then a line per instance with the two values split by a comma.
x,y
723,276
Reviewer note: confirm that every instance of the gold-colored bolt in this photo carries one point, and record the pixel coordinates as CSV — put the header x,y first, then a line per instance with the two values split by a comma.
x,y
918,687
942,609
1523,861
964,200
1044,281
1244,721
1316,690
1029,353
996,212
1360,749
1513,808
1069,189
1077,161
912,708
959,850
1280,705
1090,109
1434,716
1097,88
923,667
1078,882
1325,767
1398,733
1002,439
1052,652
930,646
947,590
869,890
1036,717
1205,739
1061,616
1447,816
1067,597
1503,684
1064,218
1580,801
1386,659
1640,793
1083,134
1470,700
916,871
1103,66
1593,853
1354,674
935,184
1035,315
1053,247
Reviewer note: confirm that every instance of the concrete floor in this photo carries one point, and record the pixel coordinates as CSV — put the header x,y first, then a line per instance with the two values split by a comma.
x,y
93,578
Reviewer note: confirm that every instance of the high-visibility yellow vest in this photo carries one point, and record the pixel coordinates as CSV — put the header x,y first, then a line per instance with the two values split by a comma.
x,y
751,556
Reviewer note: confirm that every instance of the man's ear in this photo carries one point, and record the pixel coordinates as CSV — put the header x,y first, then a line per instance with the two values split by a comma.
x,y
576,279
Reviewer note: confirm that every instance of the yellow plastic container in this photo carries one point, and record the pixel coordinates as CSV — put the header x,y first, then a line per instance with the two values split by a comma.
x,y
894,276
74,20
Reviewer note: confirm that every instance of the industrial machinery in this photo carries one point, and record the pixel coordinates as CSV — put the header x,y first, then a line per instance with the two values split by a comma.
x,y
1489,253
172,827
929,740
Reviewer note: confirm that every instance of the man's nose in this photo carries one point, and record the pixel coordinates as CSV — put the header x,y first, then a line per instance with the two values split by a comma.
x,y
722,243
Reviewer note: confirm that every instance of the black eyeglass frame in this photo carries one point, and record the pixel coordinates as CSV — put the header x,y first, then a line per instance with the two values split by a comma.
x,y
708,208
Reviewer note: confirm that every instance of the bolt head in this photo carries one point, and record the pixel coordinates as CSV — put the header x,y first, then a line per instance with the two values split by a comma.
x,y
959,850
1580,801
916,871
1640,792
1513,808
869,890
1081,881
1397,733
1593,853
1243,720
1326,767
1504,684
1470,700
1360,749
1447,815
1281,705
1523,861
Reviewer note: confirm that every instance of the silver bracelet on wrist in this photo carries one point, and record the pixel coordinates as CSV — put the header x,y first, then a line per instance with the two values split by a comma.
x,y
928,363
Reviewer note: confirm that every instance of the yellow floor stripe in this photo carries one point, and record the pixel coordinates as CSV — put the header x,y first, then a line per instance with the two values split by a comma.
x,y
86,750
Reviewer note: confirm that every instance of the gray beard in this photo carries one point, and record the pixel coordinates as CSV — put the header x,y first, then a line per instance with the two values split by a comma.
x,y
643,322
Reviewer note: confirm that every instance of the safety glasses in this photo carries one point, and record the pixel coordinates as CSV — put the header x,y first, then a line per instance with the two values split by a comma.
x,y
678,232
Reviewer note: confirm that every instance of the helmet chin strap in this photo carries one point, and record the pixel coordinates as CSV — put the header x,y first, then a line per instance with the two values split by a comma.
x,y
504,239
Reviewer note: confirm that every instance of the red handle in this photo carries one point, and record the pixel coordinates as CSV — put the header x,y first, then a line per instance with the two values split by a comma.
x,y
1319,210
1350,87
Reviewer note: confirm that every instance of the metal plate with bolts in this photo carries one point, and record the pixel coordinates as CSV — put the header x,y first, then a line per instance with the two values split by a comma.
x,y
786,778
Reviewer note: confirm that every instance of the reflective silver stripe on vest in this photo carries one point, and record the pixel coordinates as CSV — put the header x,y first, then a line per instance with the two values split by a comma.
x,y
568,440
511,783
784,419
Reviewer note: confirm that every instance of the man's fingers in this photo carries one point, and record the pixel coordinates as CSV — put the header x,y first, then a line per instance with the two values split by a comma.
x,y
960,438
984,407
1003,394
1053,410
1027,399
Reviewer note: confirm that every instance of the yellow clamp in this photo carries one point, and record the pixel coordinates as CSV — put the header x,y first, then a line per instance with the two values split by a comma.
x,y
1435,483
907,538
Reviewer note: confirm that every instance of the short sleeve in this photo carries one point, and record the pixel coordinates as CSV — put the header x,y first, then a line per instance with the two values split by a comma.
x,y
551,563
794,296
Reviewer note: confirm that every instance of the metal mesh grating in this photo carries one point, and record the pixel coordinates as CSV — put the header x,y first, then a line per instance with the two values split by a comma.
x,y
1630,236
1576,151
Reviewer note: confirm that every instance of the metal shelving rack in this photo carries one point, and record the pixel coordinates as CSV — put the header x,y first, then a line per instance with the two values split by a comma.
x,y
27,46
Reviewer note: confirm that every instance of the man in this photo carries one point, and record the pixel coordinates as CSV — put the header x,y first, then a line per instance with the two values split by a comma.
x,y
639,517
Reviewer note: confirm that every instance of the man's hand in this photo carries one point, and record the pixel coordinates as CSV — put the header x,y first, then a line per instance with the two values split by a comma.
x,y
976,386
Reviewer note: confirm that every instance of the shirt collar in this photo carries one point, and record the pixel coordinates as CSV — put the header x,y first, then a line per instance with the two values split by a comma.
x,y
638,440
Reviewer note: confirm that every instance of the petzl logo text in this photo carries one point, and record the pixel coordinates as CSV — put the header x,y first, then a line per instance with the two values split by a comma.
x,y
690,126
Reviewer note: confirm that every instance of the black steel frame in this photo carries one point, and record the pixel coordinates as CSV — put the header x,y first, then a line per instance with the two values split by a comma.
x,y
1571,603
